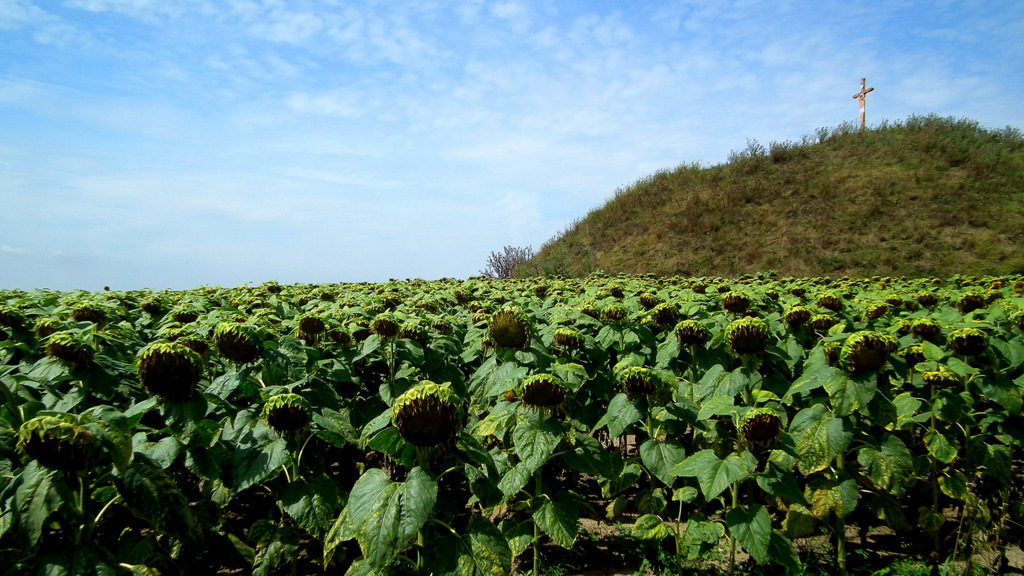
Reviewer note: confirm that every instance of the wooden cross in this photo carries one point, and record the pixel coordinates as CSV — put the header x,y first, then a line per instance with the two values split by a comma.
x,y
862,96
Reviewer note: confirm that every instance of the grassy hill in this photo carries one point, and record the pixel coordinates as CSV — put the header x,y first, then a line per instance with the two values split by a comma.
x,y
928,196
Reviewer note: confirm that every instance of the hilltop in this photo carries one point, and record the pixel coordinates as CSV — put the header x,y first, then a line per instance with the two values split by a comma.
x,y
928,196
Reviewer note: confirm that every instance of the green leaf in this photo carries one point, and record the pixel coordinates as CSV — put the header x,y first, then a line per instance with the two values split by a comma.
x,y
829,496
752,528
955,486
651,501
535,440
850,394
589,457
336,427
811,381
717,406
506,377
686,494
514,480
164,452
661,457
889,465
152,495
34,500
780,482
819,436
557,517
906,409
929,520
713,474
701,535
254,464
650,527
571,373
622,413
311,504
781,551
483,550
940,447
386,515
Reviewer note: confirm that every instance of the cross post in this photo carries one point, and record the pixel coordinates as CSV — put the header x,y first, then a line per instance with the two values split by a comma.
x,y
862,96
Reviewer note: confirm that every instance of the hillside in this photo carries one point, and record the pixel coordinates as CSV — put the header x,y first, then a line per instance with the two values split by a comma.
x,y
928,196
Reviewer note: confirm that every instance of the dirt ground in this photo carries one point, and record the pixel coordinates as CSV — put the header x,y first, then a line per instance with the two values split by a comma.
x,y
597,555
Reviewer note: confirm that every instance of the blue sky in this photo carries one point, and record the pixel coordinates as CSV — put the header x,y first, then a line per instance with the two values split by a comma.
x,y
177,143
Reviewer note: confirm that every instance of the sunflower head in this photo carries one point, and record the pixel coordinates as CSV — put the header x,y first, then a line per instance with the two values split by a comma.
x,y
864,351
427,414
692,333
821,322
541,392
568,338
185,313
169,369
311,326
971,301
747,336
68,348
940,379
510,328
664,315
760,428
413,330
797,316
237,342
912,355
1017,319
927,299
385,325
830,301
55,442
876,311
648,300
639,381
11,318
88,312
614,312
286,412
46,326
735,302
967,341
925,328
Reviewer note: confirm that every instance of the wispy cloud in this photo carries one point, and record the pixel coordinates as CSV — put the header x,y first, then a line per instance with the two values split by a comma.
x,y
8,250
183,142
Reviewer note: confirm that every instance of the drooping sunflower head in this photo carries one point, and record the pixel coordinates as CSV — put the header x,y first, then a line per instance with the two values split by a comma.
x,y
311,326
614,312
237,342
169,369
55,442
541,392
648,300
185,313
427,414
69,348
971,301
46,326
830,301
385,325
510,328
925,328
876,311
941,379
152,306
797,316
569,338
967,341
11,318
639,381
927,299
413,330
89,312
747,336
912,355
760,428
864,351
664,315
735,302
821,322
692,333
1017,319
286,412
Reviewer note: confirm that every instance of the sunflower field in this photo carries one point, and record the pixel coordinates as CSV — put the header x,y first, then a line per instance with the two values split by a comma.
x,y
469,427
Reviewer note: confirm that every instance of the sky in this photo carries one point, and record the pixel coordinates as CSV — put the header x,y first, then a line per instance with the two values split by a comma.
x,y
152,144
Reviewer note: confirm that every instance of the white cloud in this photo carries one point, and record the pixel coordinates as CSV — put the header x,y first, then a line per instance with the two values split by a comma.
x,y
8,250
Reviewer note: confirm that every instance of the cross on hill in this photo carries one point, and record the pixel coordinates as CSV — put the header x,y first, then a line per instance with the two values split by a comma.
x,y
862,96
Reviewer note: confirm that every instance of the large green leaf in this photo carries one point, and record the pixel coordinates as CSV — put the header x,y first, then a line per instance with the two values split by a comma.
x,y
336,427
535,439
651,527
311,504
819,436
826,496
622,413
152,495
940,447
482,550
701,535
386,515
714,474
889,464
850,394
254,464
557,517
661,457
35,499
752,528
